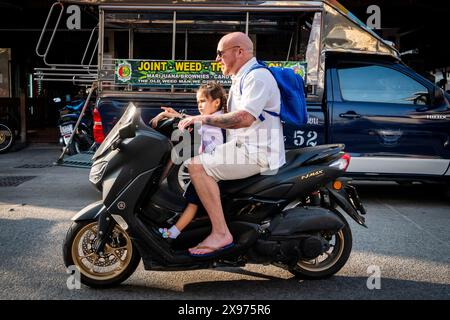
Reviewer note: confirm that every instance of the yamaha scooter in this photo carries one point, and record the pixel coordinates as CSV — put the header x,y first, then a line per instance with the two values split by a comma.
x,y
293,219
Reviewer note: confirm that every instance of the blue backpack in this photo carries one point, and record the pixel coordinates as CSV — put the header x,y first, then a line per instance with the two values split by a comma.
x,y
293,104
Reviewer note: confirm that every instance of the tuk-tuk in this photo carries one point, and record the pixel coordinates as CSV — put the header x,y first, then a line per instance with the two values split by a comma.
x,y
150,36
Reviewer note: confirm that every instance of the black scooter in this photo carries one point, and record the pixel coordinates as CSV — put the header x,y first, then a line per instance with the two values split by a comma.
x,y
292,219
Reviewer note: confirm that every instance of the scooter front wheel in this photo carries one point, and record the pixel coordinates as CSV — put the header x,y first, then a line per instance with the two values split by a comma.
x,y
118,261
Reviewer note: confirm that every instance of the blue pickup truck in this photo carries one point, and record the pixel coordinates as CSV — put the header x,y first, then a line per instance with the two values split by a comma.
x,y
393,122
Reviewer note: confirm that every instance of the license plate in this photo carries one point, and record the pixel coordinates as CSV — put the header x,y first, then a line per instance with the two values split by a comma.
x,y
66,130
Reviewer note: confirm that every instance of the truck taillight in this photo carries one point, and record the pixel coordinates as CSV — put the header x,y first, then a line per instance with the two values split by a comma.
x,y
346,157
99,136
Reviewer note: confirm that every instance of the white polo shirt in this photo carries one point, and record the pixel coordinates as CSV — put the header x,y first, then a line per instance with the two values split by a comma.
x,y
259,92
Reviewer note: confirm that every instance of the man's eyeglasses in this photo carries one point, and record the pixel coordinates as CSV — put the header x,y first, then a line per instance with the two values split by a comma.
x,y
221,52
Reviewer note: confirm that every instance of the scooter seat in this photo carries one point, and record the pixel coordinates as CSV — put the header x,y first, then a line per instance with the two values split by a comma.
x,y
294,159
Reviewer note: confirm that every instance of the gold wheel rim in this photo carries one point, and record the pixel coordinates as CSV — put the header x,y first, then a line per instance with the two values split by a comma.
x,y
115,259
4,133
317,265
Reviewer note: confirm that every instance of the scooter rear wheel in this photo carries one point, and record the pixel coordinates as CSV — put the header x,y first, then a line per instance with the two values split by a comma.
x,y
329,263
118,261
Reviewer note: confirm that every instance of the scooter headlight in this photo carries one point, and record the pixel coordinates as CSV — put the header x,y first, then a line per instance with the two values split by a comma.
x,y
97,172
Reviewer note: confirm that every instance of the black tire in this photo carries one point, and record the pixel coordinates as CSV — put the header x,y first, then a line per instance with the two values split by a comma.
x,y
7,137
87,276
306,271
86,141
80,143
447,191
72,149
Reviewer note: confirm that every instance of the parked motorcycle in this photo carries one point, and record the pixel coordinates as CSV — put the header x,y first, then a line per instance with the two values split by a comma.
x,y
9,127
68,115
7,136
293,219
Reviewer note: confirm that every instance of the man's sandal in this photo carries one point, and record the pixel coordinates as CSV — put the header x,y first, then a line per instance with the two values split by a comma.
x,y
214,250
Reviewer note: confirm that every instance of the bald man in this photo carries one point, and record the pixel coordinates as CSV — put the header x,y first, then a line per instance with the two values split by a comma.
x,y
253,145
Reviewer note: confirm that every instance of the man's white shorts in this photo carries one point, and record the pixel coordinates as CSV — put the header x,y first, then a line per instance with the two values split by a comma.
x,y
231,161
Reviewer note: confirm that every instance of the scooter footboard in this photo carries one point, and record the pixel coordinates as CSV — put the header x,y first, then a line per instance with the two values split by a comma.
x,y
304,220
244,235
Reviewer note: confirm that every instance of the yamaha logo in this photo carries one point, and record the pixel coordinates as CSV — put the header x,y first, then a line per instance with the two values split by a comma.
x,y
121,205
312,174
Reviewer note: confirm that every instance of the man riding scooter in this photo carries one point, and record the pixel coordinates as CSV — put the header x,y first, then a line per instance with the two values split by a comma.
x,y
259,143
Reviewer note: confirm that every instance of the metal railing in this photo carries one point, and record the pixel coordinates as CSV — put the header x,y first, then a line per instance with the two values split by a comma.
x,y
83,73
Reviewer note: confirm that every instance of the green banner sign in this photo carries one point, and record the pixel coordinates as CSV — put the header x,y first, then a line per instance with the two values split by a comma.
x,y
181,72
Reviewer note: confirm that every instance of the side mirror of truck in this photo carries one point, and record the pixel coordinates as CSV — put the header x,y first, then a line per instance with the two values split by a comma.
x,y
421,98
438,98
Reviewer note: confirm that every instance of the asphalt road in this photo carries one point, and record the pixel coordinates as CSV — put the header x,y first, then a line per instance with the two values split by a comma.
x,y
407,241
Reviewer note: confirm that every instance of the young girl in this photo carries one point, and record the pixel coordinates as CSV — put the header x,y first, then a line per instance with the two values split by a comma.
x,y
211,99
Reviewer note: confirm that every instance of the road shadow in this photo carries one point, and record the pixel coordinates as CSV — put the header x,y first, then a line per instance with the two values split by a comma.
x,y
335,288
272,288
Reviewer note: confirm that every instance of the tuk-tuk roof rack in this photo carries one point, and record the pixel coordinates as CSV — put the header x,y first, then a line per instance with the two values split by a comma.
x,y
340,31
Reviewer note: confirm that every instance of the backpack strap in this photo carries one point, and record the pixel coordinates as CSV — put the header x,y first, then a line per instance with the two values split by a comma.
x,y
274,114
258,65
253,67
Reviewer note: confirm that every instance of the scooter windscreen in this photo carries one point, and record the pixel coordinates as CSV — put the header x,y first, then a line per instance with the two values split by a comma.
x,y
113,135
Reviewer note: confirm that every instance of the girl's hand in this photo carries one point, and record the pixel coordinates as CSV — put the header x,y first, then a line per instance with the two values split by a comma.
x,y
170,111
167,113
